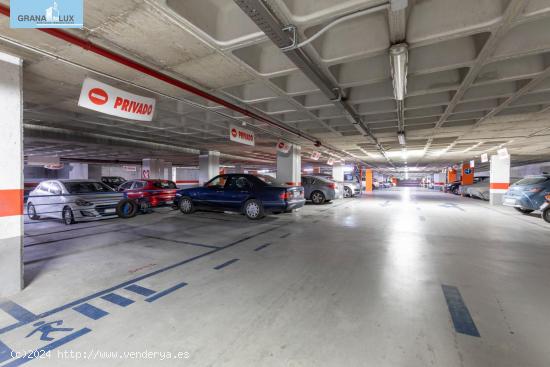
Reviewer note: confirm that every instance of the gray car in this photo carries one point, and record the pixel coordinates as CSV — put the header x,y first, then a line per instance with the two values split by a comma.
x,y
351,186
73,200
320,189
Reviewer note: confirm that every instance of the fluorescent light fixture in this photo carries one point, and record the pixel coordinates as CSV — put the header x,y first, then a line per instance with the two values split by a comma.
x,y
398,61
404,154
348,169
401,138
308,169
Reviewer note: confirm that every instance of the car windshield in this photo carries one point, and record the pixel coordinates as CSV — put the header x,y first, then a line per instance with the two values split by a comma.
x,y
271,181
114,180
85,187
164,185
532,181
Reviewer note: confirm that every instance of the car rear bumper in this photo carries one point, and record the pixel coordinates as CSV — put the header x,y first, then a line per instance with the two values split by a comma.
x,y
295,204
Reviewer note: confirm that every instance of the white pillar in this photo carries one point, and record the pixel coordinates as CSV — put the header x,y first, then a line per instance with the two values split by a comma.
x,y
289,166
209,166
11,175
338,172
152,168
167,171
499,178
78,171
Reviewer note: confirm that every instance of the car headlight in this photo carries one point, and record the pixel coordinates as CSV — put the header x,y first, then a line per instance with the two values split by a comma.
x,y
81,202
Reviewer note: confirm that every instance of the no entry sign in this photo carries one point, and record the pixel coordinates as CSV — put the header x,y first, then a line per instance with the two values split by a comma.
x,y
240,135
104,98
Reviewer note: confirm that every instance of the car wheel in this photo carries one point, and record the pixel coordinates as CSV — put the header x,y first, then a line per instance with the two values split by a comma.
x,y
127,208
68,217
546,215
347,192
253,209
524,211
187,206
31,212
317,197
145,206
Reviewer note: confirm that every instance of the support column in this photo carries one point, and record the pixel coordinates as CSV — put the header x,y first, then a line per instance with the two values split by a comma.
x,y
368,180
289,166
499,179
316,170
11,175
78,171
467,176
167,171
209,166
338,172
152,168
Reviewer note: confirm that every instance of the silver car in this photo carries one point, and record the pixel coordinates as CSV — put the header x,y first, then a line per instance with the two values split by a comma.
x,y
351,186
320,189
73,200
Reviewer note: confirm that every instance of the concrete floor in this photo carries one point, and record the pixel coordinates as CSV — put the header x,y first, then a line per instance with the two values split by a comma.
x,y
356,282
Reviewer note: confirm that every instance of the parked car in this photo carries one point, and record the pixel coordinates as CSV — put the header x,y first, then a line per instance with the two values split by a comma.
x,y
527,195
150,193
545,209
479,190
73,200
113,181
320,189
453,187
352,186
248,194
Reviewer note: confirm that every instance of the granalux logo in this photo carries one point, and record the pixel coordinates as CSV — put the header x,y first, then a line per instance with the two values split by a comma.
x,y
46,13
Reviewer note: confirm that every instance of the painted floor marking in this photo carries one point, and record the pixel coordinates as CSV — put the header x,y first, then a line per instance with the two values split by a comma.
x,y
165,292
140,290
462,320
117,299
90,311
227,263
16,311
262,247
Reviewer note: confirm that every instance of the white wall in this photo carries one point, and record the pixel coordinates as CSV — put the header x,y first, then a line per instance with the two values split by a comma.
x,y
119,171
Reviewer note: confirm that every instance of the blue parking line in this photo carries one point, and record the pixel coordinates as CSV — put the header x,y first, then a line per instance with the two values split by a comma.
x,y
90,311
227,263
131,281
165,292
16,311
117,300
262,247
5,352
140,290
462,320
41,351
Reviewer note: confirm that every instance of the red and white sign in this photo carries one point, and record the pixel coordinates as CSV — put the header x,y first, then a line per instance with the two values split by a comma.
x,y
330,161
503,153
315,155
104,98
283,146
54,166
484,158
240,135
472,163
129,168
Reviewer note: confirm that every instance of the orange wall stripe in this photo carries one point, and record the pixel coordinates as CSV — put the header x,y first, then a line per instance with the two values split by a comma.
x,y
11,202
499,185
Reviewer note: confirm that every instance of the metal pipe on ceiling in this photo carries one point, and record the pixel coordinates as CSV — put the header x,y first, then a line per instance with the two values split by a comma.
x,y
90,46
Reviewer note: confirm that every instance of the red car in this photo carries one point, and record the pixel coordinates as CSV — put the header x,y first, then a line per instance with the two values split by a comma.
x,y
150,193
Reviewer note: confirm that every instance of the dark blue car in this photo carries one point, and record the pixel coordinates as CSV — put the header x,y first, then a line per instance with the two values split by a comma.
x,y
527,195
248,194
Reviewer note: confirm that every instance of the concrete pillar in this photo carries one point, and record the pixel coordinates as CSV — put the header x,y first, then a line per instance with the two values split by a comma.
x,y
167,171
152,168
78,171
368,180
467,174
316,170
209,166
439,181
338,172
289,166
11,175
499,178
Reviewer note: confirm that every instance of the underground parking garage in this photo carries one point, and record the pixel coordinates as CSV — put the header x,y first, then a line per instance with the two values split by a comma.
x,y
274,183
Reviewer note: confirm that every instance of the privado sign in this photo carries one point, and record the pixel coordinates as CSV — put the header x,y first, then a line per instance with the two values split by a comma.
x,y
104,98
240,135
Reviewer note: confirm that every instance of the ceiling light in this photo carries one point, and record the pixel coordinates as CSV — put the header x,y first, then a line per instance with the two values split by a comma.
x,y
401,138
398,62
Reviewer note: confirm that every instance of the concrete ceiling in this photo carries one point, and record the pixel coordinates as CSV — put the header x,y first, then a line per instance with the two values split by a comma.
x,y
478,79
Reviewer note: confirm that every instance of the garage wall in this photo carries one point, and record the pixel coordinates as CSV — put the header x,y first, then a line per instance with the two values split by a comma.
x,y
522,171
115,170
186,176
38,173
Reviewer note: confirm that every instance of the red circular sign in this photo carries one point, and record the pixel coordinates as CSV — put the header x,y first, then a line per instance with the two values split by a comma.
x,y
98,96
234,132
281,145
